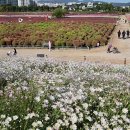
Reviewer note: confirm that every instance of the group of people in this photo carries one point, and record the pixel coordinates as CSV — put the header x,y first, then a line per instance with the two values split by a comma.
x,y
124,34
9,53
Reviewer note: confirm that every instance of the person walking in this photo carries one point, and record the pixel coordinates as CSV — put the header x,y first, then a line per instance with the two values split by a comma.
x,y
49,45
109,48
15,52
128,33
119,33
123,34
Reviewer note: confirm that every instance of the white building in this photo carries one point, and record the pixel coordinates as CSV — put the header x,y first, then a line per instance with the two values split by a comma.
x,y
90,5
24,2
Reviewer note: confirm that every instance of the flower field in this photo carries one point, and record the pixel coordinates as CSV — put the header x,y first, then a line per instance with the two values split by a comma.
x,y
61,32
46,94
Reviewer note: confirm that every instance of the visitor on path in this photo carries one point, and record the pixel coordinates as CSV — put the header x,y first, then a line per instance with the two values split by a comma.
x,y
15,52
128,33
8,53
98,44
49,45
109,48
123,34
119,33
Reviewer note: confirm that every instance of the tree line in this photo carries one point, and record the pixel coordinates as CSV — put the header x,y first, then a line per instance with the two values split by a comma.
x,y
104,7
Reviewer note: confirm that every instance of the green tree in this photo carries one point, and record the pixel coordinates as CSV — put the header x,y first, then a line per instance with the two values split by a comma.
x,y
58,13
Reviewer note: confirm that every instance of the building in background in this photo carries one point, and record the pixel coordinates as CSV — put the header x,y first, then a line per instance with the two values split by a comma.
x,y
9,2
25,2
2,2
12,2
17,2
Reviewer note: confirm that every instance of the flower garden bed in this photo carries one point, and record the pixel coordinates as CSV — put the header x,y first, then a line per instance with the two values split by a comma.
x,y
46,94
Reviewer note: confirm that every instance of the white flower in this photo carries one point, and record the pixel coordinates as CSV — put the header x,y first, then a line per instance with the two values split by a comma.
x,y
73,127
62,110
59,121
85,106
81,115
57,126
37,99
66,122
52,98
34,124
89,118
125,110
9,119
95,112
49,128
15,118
118,128
77,110
118,103
46,117
73,118
46,102
39,123
92,89
2,116
30,115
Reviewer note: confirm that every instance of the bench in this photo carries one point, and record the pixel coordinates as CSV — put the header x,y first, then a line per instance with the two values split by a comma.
x,y
40,55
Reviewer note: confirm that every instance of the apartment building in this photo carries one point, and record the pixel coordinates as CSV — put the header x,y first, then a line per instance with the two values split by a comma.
x,y
9,2
16,2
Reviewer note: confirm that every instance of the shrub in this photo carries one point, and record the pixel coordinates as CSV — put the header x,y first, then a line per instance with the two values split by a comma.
x,y
58,13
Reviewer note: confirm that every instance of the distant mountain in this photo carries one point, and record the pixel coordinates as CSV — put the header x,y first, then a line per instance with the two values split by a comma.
x,y
62,1
121,4
115,4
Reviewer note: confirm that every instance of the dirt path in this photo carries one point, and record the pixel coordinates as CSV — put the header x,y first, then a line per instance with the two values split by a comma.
x,y
93,55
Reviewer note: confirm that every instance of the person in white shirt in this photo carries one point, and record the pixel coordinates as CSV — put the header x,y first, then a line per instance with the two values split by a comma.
x,y
49,44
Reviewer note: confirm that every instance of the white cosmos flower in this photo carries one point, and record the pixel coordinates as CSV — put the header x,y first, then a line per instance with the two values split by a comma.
x,y
34,124
9,119
15,118
46,101
2,116
95,112
89,118
39,123
46,117
37,99
85,106
49,128
52,98
73,127
66,122
56,126
73,118
118,128
125,110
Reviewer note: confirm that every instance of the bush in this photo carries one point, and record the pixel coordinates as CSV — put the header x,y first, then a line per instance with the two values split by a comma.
x,y
58,13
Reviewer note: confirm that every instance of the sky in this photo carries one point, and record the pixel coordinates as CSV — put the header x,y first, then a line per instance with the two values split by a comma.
x,y
116,1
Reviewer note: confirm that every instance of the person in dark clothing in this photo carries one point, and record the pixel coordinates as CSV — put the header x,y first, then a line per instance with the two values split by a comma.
x,y
128,33
119,33
123,34
15,52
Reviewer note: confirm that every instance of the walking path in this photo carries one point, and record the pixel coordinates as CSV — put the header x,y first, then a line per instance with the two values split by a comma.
x,y
93,55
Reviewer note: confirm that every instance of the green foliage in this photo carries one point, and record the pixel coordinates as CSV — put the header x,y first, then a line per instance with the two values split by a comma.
x,y
58,13
3,83
69,33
